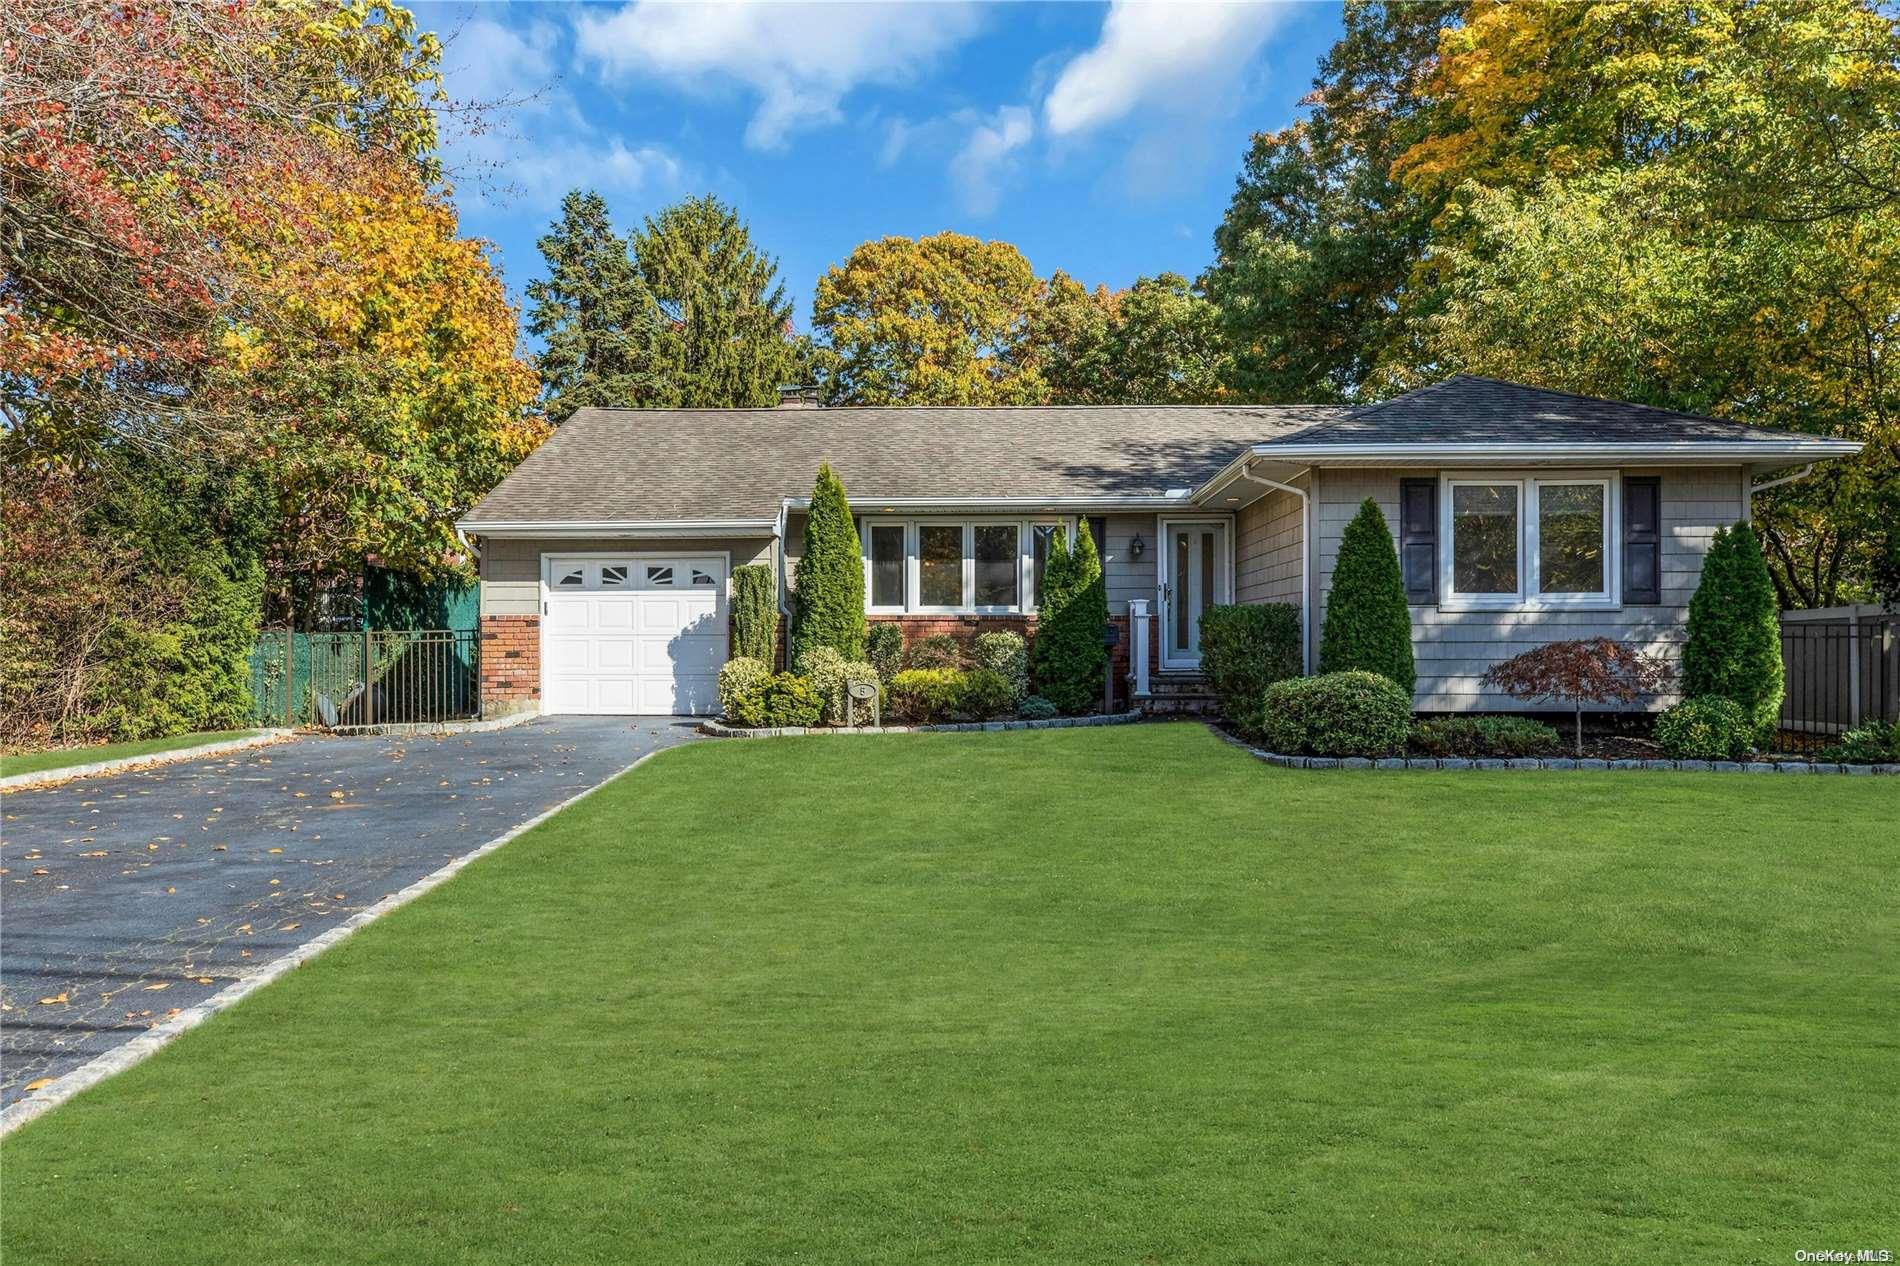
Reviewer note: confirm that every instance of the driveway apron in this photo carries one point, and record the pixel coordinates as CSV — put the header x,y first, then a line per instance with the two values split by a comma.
x,y
127,897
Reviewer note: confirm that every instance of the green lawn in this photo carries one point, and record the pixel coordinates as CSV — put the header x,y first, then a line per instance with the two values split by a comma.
x,y
64,757
1119,995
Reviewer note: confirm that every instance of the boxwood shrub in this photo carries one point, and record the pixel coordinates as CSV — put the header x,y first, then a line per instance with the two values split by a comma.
x,y
1708,727
1468,737
832,675
937,651
925,695
779,699
1245,649
737,679
884,648
985,693
1005,653
1351,713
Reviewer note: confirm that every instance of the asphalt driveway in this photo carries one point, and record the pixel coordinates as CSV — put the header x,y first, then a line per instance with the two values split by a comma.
x,y
127,897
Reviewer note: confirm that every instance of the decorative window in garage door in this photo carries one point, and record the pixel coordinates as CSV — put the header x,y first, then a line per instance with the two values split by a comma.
x,y
613,576
659,576
573,578
702,577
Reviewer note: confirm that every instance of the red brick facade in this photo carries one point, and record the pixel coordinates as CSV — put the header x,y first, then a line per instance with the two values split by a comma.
x,y
511,660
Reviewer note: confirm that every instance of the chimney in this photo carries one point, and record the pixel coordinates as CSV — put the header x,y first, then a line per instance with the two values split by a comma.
x,y
798,395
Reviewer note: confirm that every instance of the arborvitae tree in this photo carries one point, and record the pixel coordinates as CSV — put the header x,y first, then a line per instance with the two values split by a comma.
x,y
1368,625
1070,657
828,587
726,322
754,614
1734,638
593,313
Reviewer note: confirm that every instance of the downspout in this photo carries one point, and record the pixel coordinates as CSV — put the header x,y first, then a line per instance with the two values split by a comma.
x,y
1748,497
784,588
1306,529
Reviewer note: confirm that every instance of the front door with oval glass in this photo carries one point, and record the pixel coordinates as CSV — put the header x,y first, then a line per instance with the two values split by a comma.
x,y
1193,578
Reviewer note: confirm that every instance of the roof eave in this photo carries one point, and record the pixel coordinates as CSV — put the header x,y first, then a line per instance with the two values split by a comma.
x,y
1684,452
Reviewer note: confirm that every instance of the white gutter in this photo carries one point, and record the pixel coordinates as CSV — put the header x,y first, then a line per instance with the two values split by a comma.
x,y
622,527
1169,500
1306,539
1757,450
1748,497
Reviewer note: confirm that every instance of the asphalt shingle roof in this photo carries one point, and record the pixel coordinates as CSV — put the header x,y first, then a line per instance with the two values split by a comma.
x,y
684,465
1465,409
622,465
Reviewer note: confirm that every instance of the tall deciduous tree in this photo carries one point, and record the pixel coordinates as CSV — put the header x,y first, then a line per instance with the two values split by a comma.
x,y
725,324
592,312
1158,342
1319,244
934,320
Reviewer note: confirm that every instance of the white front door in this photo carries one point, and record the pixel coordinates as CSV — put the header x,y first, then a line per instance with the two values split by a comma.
x,y
1193,578
642,635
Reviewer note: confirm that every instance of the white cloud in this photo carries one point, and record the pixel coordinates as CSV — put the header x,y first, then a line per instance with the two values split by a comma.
x,y
801,59
978,168
1167,58
538,144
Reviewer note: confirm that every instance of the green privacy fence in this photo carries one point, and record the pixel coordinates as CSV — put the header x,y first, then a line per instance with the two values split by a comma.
x,y
374,677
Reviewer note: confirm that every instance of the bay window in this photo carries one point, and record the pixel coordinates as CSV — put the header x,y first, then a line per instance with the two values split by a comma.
x,y
973,566
1528,542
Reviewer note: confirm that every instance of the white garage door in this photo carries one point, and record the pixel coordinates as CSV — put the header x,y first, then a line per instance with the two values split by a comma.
x,y
643,635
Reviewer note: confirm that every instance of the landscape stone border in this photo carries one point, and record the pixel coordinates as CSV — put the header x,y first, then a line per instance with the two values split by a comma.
x,y
424,729
66,773
1551,763
715,729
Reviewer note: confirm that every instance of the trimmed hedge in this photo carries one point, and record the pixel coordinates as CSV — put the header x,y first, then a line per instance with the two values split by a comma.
x,y
1368,625
1508,737
828,596
1338,714
754,613
1734,635
1707,727
1245,649
884,650
985,694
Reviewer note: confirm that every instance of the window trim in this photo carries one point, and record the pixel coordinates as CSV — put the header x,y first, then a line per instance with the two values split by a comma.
x,y
913,537
1529,564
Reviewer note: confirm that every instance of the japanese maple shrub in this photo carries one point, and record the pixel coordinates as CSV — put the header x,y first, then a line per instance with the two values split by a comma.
x,y
1591,670
1734,642
1368,626
828,589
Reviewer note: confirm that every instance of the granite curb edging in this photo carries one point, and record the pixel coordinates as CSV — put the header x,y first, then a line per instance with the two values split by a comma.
x,y
66,773
426,729
715,729
1552,763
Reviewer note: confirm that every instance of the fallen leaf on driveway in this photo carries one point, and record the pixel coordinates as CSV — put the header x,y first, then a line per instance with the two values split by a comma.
x,y
336,795
290,927
41,870
244,927
275,850
204,980
163,984
56,998
44,1081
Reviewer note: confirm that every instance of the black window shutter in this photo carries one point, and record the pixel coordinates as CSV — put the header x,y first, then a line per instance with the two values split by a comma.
x,y
1418,538
1642,540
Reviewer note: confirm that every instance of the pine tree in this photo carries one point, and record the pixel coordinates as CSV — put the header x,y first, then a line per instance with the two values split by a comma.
x,y
1070,656
1368,625
592,312
725,319
1734,635
828,586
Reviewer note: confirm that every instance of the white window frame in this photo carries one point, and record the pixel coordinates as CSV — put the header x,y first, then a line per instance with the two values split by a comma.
x,y
913,536
1529,565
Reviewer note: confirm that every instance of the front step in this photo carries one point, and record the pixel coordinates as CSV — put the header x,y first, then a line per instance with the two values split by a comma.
x,y
1179,694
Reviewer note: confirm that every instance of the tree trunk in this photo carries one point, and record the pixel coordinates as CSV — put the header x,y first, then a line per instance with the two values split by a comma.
x,y
1580,730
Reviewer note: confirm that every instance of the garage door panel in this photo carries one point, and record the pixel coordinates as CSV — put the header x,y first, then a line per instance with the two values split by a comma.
x,y
635,636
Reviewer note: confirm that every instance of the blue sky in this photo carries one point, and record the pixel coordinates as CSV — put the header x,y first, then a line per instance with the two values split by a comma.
x,y
1102,139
